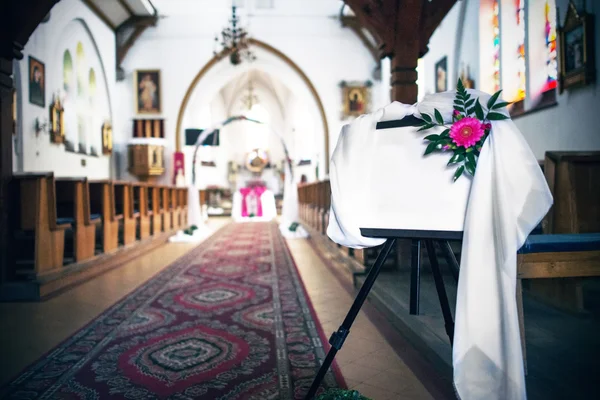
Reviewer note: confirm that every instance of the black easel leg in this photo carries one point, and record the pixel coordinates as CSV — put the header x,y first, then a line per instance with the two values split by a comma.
x,y
415,276
441,290
450,258
337,338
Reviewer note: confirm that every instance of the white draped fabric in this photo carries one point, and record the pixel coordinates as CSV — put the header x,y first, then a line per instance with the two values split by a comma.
x,y
289,211
497,210
195,218
269,209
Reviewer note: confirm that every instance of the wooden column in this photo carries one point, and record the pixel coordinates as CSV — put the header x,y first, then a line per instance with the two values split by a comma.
x,y
406,51
6,128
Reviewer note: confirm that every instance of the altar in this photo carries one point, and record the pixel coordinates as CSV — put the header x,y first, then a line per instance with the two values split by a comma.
x,y
253,203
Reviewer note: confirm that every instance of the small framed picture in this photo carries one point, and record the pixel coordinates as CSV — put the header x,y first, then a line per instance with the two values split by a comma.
x,y
148,92
356,98
577,59
441,75
37,82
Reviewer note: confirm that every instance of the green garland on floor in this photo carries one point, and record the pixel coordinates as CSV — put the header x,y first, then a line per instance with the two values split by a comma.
x,y
341,394
190,230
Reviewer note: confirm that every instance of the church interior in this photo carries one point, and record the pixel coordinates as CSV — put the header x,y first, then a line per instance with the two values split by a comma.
x,y
171,171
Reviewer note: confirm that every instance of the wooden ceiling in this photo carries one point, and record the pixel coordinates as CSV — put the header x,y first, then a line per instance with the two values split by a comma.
x,y
393,22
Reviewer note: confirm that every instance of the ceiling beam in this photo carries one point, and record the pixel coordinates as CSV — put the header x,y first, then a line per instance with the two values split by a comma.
x,y
96,10
127,7
127,34
352,23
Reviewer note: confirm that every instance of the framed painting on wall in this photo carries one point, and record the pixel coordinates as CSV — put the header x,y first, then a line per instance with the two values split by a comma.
x,y
577,59
441,75
37,82
148,92
356,98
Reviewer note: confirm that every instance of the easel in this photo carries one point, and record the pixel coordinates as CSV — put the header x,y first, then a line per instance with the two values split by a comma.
x,y
418,237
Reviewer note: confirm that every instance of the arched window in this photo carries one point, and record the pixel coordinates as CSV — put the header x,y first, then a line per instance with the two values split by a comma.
x,y
82,100
68,81
496,44
550,35
521,63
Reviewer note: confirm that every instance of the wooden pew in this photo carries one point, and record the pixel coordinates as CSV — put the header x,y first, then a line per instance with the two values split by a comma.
x,y
175,207
183,201
574,180
154,209
102,201
34,200
124,211
550,258
73,208
167,215
141,211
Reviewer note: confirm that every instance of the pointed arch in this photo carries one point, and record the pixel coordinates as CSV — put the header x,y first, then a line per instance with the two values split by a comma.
x,y
277,53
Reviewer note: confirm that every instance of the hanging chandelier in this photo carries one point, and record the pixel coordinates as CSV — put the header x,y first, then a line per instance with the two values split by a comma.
x,y
249,99
234,40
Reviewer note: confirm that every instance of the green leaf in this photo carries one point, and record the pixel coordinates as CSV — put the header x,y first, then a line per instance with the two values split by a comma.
x,y
430,148
471,158
445,134
426,118
438,117
459,172
432,138
468,150
478,110
456,158
496,116
459,109
469,103
500,105
471,111
425,127
470,168
493,99
459,85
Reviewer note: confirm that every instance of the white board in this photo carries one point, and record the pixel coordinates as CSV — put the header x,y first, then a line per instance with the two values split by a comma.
x,y
407,190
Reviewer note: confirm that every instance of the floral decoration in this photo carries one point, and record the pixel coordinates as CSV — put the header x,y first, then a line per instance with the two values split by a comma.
x,y
465,136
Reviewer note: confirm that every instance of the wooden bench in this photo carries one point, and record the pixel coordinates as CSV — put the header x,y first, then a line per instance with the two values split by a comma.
x,y
140,210
183,204
574,180
102,201
167,214
154,210
175,207
34,200
124,212
548,257
73,208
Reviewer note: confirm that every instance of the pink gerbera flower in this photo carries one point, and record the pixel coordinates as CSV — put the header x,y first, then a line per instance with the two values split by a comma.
x,y
466,132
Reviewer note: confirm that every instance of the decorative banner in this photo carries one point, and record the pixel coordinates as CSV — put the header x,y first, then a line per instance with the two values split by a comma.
x,y
179,168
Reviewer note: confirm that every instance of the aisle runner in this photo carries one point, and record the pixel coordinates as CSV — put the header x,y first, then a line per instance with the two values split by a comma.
x,y
230,320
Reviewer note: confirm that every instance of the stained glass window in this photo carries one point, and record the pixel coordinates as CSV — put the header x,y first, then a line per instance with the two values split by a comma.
x,y
551,62
520,5
496,27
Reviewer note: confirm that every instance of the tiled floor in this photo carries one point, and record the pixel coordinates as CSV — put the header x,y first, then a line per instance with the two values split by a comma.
x,y
367,361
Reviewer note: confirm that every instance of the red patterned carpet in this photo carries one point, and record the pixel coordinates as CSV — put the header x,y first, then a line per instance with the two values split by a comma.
x,y
230,320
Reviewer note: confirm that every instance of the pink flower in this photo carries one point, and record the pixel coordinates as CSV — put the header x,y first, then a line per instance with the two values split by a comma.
x,y
487,126
446,147
466,132
456,113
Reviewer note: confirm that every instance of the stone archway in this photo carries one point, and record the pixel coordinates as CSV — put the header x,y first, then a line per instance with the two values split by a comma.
x,y
216,59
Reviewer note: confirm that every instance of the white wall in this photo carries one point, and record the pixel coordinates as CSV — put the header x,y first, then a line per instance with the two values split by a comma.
x,y
571,125
70,21
305,30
